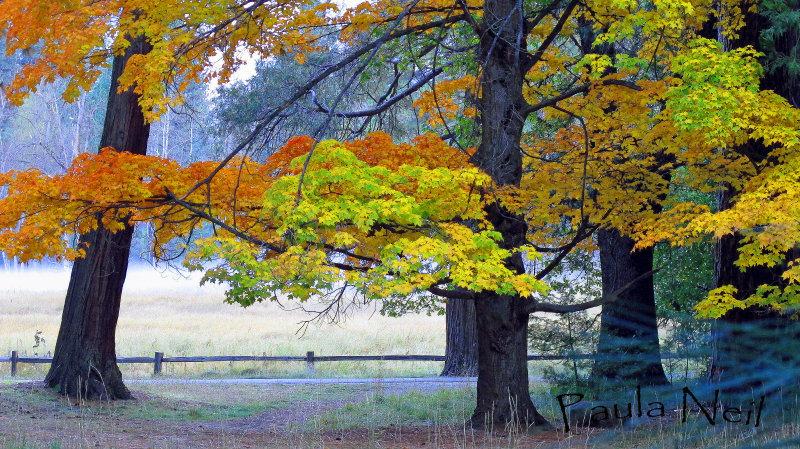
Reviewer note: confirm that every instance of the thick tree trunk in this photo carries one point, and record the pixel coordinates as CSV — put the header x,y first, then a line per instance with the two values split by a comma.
x,y
84,363
755,348
628,348
461,350
503,397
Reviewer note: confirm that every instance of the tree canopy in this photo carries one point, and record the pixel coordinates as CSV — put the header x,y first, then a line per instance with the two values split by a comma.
x,y
670,112
382,217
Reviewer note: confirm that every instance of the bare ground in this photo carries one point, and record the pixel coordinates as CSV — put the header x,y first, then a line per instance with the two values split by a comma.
x,y
32,416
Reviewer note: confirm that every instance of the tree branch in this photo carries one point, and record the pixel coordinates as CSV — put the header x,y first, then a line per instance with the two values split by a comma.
x,y
535,306
452,294
311,83
583,88
215,221
583,233
381,107
537,55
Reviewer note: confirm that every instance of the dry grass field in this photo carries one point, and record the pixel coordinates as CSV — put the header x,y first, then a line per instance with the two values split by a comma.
x,y
176,316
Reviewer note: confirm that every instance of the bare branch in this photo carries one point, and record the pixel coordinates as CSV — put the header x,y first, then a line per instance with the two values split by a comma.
x,y
452,294
535,306
381,107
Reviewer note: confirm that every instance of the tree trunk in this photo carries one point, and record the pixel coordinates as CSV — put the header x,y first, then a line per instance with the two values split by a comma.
x,y
84,363
503,397
461,350
628,348
755,348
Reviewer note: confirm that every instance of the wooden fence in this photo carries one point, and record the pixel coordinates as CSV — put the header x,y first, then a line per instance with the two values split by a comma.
x,y
158,359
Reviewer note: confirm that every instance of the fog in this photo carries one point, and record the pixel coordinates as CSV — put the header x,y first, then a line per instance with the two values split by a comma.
x,y
141,278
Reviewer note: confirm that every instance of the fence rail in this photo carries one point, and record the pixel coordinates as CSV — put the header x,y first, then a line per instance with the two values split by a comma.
x,y
310,358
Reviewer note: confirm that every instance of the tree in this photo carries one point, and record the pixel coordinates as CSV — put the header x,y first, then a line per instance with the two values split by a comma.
x,y
237,112
749,341
85,359
628,347
73,43
238,109
402,221
757,293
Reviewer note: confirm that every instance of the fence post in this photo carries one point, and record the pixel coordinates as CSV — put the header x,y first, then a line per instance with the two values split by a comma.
x,y
310,361
14,360
157,360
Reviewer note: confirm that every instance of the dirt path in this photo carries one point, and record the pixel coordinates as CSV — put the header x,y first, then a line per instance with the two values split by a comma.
x,y
448,382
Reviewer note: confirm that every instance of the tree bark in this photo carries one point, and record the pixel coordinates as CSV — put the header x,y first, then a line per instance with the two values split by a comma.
x,y
503,397
461,350
754,348
502,390
84,363
628,348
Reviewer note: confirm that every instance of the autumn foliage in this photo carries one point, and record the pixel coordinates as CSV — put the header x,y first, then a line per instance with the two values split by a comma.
x,y
384,218
612,137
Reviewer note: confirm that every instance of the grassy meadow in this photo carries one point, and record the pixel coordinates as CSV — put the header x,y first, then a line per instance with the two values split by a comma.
x,y
175,315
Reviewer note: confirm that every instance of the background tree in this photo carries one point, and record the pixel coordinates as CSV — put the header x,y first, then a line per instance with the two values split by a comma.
x,y
749,337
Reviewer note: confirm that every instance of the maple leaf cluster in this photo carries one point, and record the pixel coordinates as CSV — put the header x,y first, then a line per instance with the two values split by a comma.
x,y
382,217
